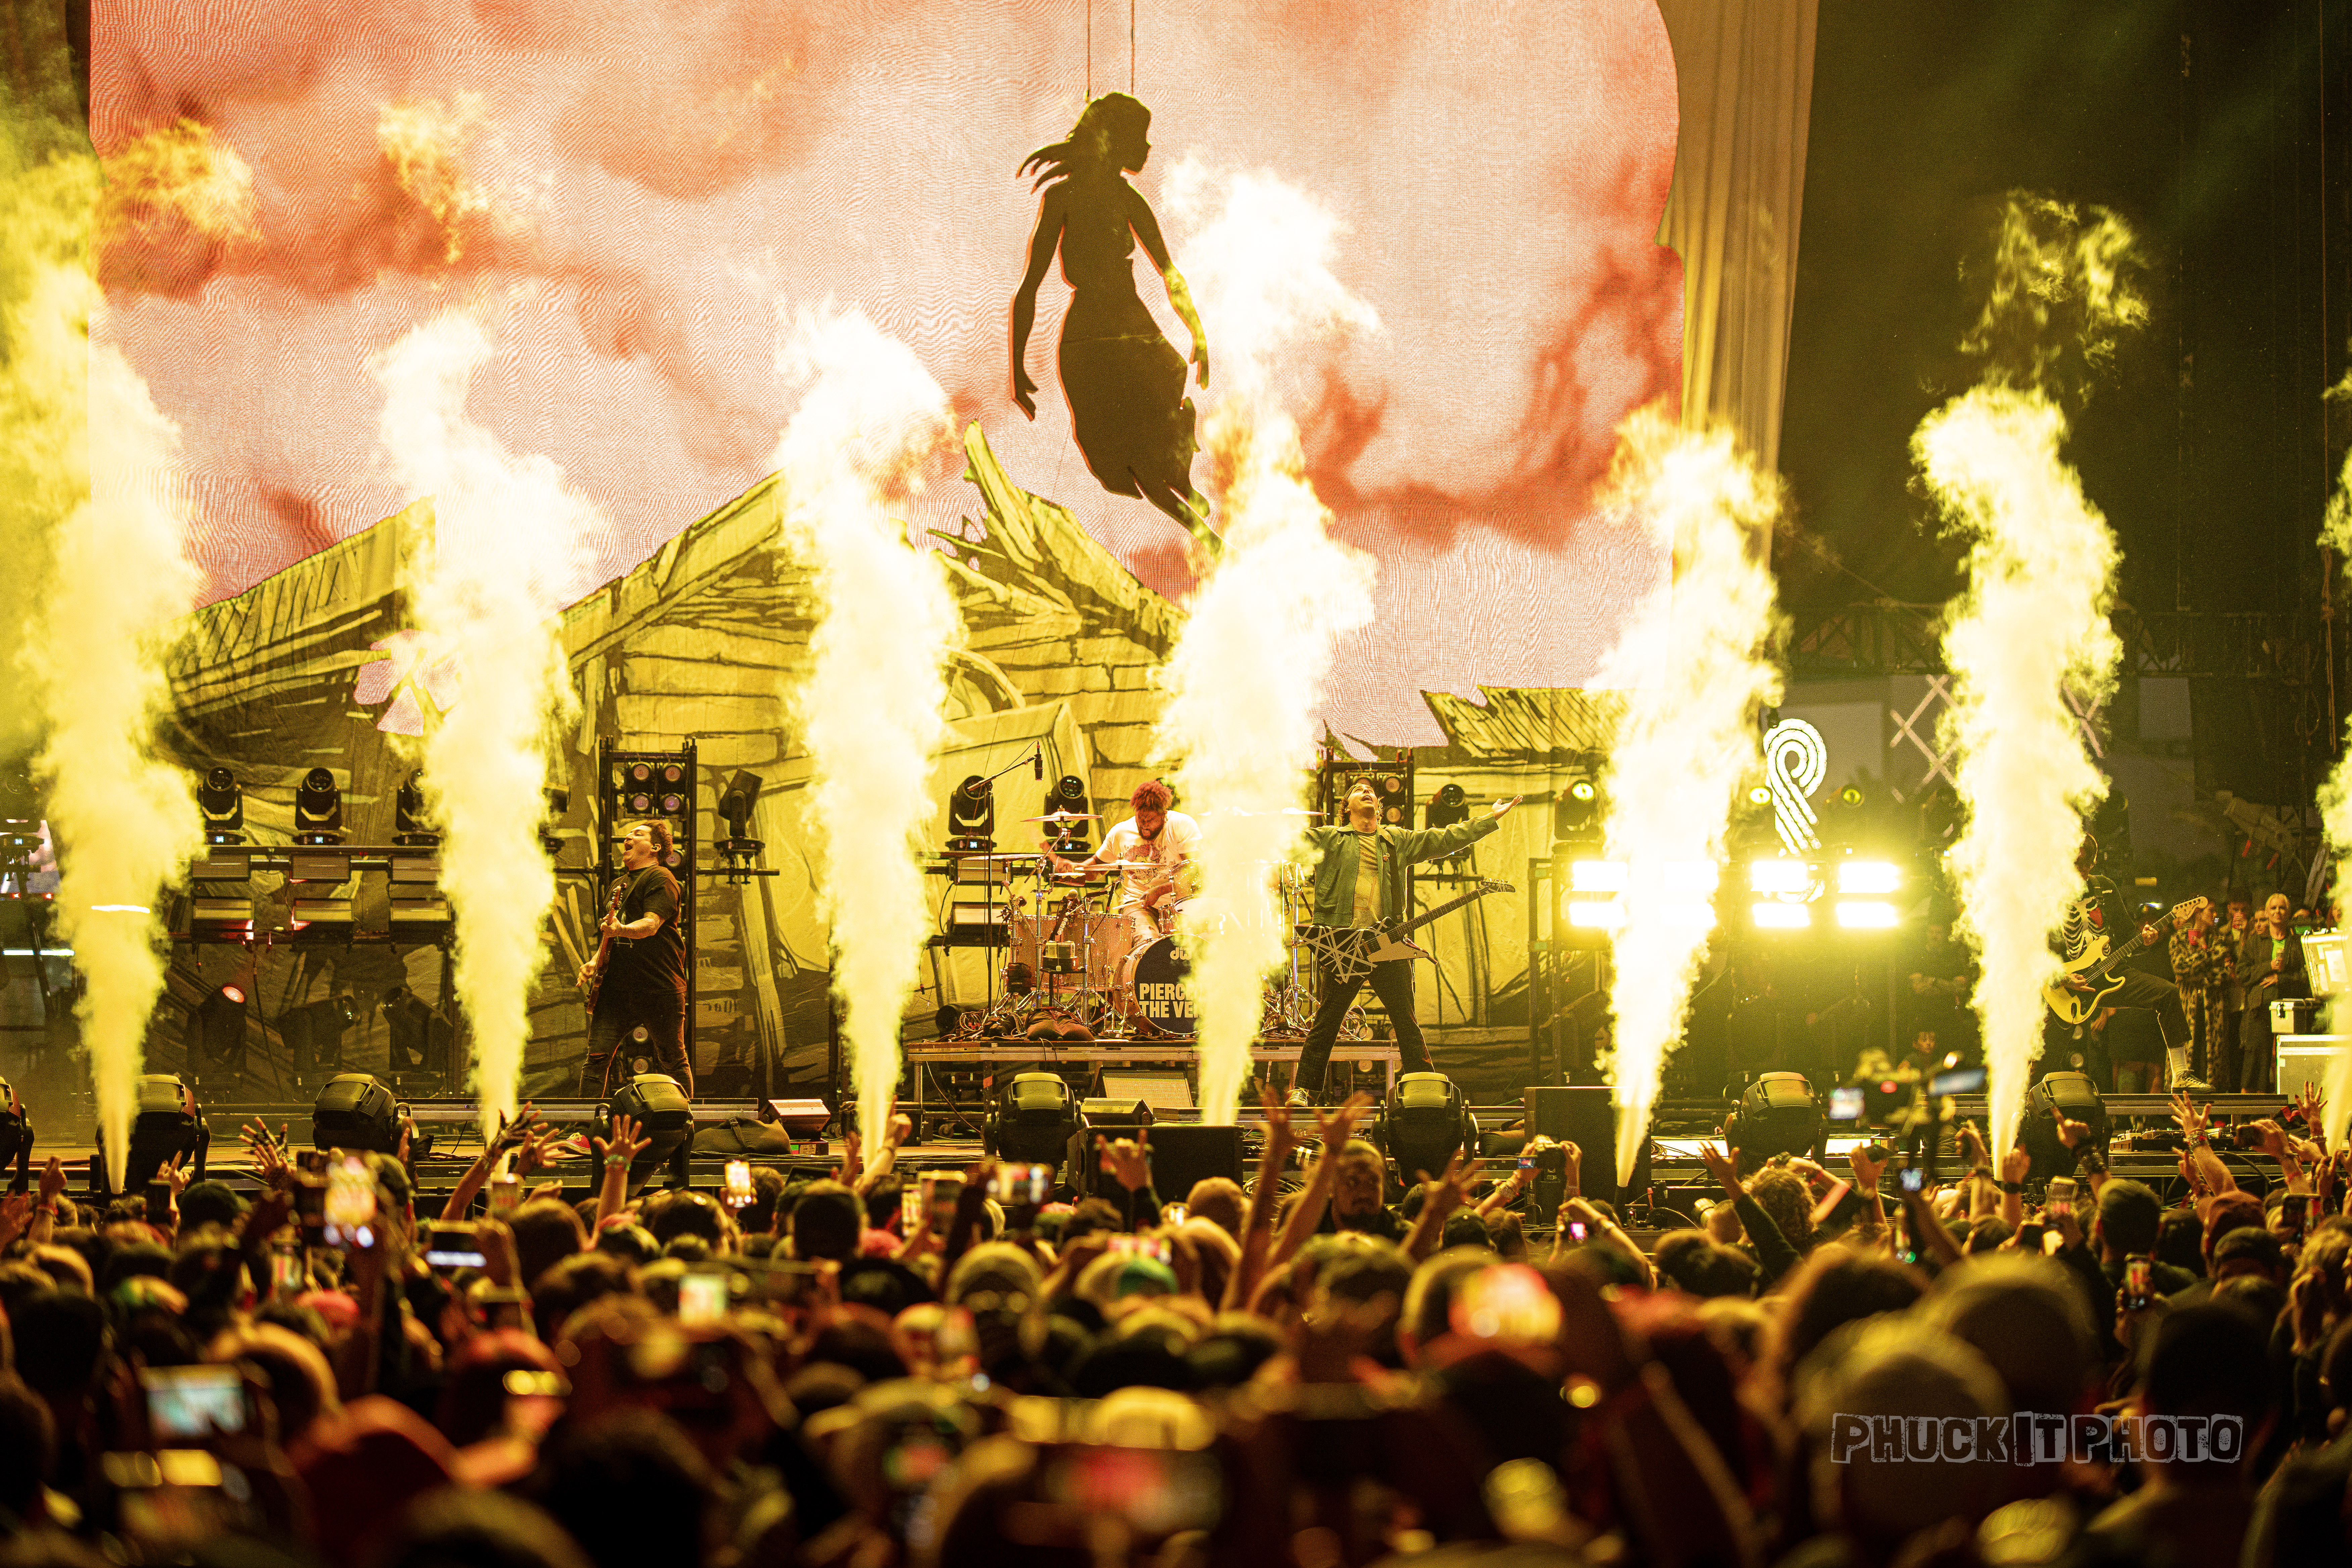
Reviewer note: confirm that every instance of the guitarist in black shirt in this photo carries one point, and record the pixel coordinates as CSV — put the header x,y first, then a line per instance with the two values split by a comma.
x,y
636,981
1360,882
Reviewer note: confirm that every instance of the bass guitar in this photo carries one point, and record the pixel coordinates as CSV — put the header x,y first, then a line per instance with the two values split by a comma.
x,y
1350,952
2100,965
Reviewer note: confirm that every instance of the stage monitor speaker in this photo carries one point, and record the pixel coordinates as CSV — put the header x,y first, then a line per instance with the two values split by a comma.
x,y
1182,1155
1586,1116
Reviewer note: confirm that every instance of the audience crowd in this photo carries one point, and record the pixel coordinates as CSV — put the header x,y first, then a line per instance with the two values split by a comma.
x,y
1328,1366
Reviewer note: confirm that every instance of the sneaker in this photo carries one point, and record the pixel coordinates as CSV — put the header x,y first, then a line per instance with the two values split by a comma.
x,y
1300,1099
2192,1083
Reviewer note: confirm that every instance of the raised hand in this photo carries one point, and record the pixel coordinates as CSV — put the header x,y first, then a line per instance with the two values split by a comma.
x,y
2017,1162
534,1154
267,1150
173,1176
1867,1170
1442,1195
1280,1139
1126,1162
2074,1134
1575,1168
1724,1169
624,1143
1340,1125
53,1181
15,1217
2189,1115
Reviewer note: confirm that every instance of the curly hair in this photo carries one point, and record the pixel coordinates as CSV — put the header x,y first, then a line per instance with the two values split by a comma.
x,y
1151,795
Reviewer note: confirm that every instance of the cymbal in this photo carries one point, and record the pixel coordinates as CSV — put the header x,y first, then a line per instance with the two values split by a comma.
x,y
1065,816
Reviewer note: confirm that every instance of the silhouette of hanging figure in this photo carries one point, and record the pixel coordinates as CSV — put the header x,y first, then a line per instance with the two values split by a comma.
x,y
1124,380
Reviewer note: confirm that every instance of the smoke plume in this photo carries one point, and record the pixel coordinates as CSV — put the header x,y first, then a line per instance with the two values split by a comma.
x,y
124,818
2031,628
96,575
1693,665
510,537
1246,680
872,705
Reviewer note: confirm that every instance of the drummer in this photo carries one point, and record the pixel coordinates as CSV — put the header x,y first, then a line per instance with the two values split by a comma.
x,y
1149,850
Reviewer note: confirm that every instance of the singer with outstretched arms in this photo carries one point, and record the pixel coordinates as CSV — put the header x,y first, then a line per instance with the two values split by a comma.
x,y
1360,882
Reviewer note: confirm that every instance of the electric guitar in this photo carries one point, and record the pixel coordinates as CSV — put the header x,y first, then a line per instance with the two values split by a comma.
x,y
1350,952
2100,968
621,885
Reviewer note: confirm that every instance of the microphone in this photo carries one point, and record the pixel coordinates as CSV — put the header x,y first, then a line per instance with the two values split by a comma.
x,y
1037,762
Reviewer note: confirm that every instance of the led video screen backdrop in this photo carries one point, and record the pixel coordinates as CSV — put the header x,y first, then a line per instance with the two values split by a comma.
x,y
631,194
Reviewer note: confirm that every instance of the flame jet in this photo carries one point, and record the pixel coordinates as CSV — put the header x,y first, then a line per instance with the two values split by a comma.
x,y
510,537
1696,666
1246,681
873,703
2028,641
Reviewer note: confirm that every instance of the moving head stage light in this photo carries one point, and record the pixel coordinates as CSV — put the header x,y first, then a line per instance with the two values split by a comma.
x,y
222,801
1776,1114
664,1120
355,1112
1423,1123
2073,1095
1032,1118
166,1122
971,816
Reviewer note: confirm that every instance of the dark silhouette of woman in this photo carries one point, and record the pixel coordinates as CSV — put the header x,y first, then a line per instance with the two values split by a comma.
x,y
1124,380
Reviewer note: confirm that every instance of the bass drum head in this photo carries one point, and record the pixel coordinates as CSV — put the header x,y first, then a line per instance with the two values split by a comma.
x,y
1156,978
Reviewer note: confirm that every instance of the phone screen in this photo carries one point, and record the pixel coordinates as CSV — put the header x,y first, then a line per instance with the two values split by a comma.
x,y
1911,1179
940,1196
1578,1230
701,1296
1156,1491
288,1277
2137,1292
739,1184
1846,1103
506,1192
1507,1304
451,1248
194,1402
1017,1184
1151,1246
1956,1080
1174,1214
350,1204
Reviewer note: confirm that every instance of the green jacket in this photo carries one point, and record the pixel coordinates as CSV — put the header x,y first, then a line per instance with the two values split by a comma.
x,y
1334,873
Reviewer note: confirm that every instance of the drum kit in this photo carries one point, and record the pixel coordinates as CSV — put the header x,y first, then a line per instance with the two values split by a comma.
x,y
1081,968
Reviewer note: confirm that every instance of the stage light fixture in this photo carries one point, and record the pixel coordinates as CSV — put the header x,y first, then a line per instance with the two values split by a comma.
x,y
1576,811
418,1038
1866,915
1448,807
222,801
216,1034
1879,877
737,803
356,1111
1781,879
1596,876
166,1121
1032,1118
313,1033
1776,1114
664,1120
409,823
2077,1096
1761,794
971,816
1849,796
318,809
1781,917
1424,1122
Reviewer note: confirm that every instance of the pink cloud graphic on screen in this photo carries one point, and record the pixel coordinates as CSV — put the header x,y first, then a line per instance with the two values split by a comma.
x,y
632,192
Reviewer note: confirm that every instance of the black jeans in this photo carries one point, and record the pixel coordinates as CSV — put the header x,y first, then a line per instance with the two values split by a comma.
x,y
1393,983
2138,990
626,1026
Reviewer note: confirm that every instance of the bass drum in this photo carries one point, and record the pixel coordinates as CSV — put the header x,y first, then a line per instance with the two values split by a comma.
x,y
1155,979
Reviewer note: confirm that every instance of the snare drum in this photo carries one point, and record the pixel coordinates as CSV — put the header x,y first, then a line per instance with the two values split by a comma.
x,y
1155,980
